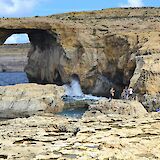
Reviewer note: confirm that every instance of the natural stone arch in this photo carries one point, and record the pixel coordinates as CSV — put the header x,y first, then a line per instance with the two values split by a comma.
x,y
44,55
102,52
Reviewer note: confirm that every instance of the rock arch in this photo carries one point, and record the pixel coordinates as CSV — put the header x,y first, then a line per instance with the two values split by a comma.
x,y
44,55
101,47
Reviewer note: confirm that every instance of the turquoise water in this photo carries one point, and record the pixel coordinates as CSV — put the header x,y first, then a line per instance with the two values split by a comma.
x,y
12,78
74,112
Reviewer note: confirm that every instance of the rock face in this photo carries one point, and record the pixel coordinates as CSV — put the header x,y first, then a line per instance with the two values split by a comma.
x,y
147,74
95,136
28,99
121,107
100,46
13,57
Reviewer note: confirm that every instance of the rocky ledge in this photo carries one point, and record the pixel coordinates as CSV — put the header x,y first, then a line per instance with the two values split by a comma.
x,y
24,100
95,136
28,99
119,107
115,129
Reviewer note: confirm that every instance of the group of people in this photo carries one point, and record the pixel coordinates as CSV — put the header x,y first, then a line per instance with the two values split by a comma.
x,y
127,93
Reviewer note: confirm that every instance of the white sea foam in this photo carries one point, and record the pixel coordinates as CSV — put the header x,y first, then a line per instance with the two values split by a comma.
x,y
74,90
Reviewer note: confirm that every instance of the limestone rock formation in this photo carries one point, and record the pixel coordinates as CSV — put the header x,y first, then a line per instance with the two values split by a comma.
x,y
146,77
95,136
28,99
13,57
121,107
100,46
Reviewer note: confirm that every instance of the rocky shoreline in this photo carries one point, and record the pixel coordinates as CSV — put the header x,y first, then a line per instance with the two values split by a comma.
x,y
116,129
95,136
109,48
25,100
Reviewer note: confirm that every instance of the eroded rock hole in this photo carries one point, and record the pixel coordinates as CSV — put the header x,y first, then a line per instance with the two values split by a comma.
x,y
42,64
13,59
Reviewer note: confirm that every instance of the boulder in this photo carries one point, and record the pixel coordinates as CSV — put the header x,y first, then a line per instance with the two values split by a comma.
x,y
122,107
28,99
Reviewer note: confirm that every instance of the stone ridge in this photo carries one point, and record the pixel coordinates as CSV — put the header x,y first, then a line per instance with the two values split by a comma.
x,y
14,48
113,13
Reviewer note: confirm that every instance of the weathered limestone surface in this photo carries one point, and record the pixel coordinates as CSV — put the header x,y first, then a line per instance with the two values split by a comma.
x,y
146,77
28,99
100,46
121,107
95,136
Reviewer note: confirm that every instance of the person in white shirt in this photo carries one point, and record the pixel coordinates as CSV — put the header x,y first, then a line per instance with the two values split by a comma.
x,y
130,93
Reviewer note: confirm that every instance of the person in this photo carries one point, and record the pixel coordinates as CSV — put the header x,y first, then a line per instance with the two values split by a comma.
x,y
123,94
112,93
130,93
126,93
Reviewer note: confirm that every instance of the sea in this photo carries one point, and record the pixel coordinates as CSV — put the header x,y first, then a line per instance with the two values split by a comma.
x,y
12,78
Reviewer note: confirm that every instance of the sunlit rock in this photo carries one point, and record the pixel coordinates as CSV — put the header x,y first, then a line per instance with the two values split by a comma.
x,y
28,99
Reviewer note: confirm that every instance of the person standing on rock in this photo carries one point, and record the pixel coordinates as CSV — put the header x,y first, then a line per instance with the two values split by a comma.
x,y
130,93
126,93
123,94
112,93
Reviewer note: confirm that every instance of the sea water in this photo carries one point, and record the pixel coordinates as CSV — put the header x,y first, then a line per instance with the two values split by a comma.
x,y
74,112
73,92
12,78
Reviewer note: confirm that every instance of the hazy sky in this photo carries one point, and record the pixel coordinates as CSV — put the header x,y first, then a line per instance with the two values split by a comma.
x,y
25,8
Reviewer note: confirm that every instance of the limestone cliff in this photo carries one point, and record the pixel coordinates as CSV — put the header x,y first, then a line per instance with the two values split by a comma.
x,y
13,57
100,46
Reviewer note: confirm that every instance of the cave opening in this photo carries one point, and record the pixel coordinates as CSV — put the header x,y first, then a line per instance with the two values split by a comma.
x,y
33,51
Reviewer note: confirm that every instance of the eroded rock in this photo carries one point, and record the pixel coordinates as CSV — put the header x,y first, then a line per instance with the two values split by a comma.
x,y
121,107
121,137
28,99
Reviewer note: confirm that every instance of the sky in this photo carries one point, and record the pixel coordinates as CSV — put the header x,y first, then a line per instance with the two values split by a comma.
x,y
27,8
